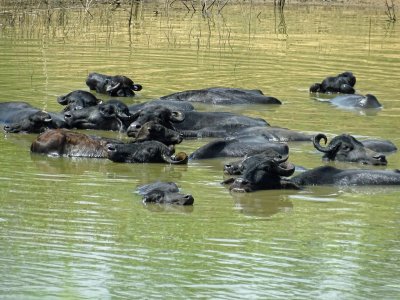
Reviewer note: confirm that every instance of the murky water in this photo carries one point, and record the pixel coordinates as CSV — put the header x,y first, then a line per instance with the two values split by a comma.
x,y
75,228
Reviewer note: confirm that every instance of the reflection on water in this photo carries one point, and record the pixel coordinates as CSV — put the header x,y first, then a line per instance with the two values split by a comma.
x,y
76,228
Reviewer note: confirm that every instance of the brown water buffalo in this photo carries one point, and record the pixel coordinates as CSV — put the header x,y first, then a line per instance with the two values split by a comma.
x,y
63,142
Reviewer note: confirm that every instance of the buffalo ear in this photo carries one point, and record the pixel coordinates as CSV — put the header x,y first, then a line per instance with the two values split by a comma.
x,y
177,116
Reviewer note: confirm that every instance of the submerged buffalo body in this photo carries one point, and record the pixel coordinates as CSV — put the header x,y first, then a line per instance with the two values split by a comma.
x,y
347,148
173,105
164,193
278,134
379,146
328,175
145,152
77,100
118,86
356,101
238,147
22,117
220,95
342,83
112,115
63,142
195,124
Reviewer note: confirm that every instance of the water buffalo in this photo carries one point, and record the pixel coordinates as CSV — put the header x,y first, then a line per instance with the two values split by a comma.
x,y
77,100
154,131
195,124
328,175
274,133
238,147
173,105
356,101
112,115
347,148
116,86
22,117
342,83
145,152
63,142
238,167
264,174
221,95
164,193
379,145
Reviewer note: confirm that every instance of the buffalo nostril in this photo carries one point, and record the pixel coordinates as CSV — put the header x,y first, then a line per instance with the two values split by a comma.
x,y
138,126
67,115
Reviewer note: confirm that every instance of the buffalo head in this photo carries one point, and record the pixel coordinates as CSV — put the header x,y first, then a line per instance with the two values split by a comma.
x,y
154,131
264,175
157,114
347,148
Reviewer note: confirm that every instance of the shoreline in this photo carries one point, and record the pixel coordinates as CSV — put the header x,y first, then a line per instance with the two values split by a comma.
x,y
74,3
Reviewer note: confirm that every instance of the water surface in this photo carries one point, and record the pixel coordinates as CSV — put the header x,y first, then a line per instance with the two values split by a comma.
x,y
75,228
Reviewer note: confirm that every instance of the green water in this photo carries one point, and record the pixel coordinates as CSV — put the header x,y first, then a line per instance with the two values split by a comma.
x,y
76,229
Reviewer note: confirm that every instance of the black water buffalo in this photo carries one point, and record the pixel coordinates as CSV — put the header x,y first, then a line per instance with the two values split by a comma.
x,y
328,175
173,105
379,145
77,100
22,117
116,86
221,95
238,167
342,83
238,147
164,193
195,124
63,142
264,173
347,148
356,101
112,115
145,152
274,133
154,131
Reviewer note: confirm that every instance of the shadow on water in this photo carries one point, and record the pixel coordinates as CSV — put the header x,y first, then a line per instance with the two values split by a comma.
x,y
262,203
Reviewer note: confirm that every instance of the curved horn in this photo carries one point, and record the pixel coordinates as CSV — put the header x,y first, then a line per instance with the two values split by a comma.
x,y
285,170
317,145
177,116
112,87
